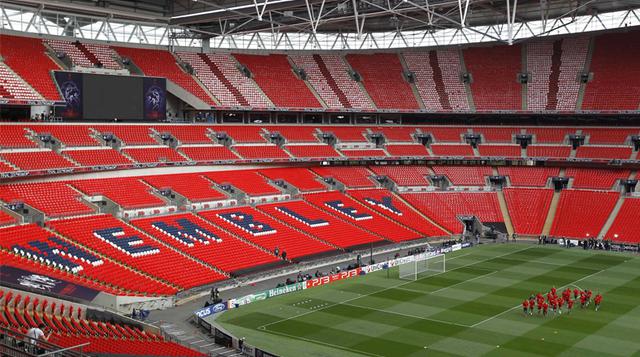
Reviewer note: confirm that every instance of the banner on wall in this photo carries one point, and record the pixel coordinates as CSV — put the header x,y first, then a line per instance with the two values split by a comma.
x,y
155,98
24,279
70,84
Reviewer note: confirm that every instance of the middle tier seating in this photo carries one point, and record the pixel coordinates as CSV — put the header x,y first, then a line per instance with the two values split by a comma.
x,y
581,214
248,181
192,186
465,175
407,150
404,175
208,153
260,152
54,199
120,242
69,135
529,176
153,155
500,150
301,178
596,178
452,150
352,177
321,151
97,157
128,192
604,152
37,160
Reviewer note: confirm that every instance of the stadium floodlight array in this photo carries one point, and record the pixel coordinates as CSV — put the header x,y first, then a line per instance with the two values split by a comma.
x,y
422,265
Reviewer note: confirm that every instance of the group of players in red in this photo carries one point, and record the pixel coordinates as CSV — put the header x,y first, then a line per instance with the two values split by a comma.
x,y
556,303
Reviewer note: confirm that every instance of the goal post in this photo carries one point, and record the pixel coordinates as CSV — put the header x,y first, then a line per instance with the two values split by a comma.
x,y
422,266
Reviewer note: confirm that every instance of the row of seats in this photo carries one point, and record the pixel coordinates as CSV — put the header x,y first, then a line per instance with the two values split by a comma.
x,y
12,86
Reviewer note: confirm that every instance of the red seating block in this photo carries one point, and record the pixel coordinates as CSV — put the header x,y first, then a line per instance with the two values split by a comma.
x,y
260,152
6,219
500,150
296,134
242,133
55,199
465,175
70,135
407,150
364,153
37,160
349,176
596,178
321,151
186,134
192,186
97,157
15,136
208,153
577,215
301,178
529,176
604,152
625,227
129,134
528,208
153,155
404,175
128,192
452,150
248,181
551,151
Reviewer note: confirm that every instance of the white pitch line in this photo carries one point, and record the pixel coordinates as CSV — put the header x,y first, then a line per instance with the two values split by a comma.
x,y
406,315
517,306
450,286
325,343
263,327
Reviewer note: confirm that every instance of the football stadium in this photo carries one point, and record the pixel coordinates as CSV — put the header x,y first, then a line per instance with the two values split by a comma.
x,y
323,178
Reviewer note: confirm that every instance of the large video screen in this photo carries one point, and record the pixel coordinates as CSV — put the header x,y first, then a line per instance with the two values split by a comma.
x,y
109,97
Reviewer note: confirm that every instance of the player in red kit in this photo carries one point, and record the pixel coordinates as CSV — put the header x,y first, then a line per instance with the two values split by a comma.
x,y
575,294
560,303
540,304
525,306
545,308
553,291
588,293
569,306
583,300
597,301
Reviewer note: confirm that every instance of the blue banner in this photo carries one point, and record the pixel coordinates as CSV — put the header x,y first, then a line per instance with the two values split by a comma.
x,y
155,98
70,84
24,279
211,309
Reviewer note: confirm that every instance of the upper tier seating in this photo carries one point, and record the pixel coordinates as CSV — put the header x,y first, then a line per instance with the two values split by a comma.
x,y
296,133
404,175
6,219
625,227
437,78
192,186
550,151
69,135
12,87
452,150
581,214
261,152
120,242
302,179
194,236
494,71
15,136
128,192
37,160
596,178
242,133
611,136
528,208
529,176
186,134
255,226
500,150
493,135
321,151
162,64
247,181
407,150
85,54
352,211
97,157
154,154
78,264
219,73
465,175
328,74
550,135
346,133
353,177
311,220
388,204
616,73
129,134
604,152
364,153
274,75
554,68
445,207
382,77
208,153
26,56
54,199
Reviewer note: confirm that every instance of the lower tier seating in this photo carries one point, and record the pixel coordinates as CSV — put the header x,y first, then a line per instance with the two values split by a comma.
x,y
528,208
625,227
581,214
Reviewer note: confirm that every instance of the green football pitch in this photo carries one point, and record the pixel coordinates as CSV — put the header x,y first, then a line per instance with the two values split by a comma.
x,y
471,309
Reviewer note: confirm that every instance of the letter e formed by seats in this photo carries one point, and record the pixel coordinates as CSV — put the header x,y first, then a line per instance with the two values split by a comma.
x,y
132,245
247,223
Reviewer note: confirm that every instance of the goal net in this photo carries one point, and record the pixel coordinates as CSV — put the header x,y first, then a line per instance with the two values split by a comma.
x,y
422,266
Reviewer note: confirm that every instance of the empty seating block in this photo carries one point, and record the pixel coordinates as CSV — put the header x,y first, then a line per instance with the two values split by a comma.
x,y
445,134
444,208
529,176
69,135
596,178
387,204
495,71
113,346
407,150
550,151
581,214
161,63
154,154
15,136
493,135
355,213
364,153
604,152
500,150
301,178
437,78
275,77
37,160
404,175
528,208
194,236
616,78
609,136
350,176
192,186
396,133
208,153
26,57
382,77
248,181
129,134
625,227
119,241
6,219
4,167
346,133
97,157
255,226
260,152
186,134
55,199
320,151
296,134
128,192
464,175
550,135
241,133
452,150
75,54
316,222
13,88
